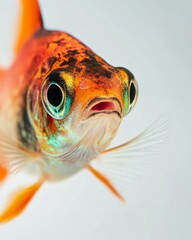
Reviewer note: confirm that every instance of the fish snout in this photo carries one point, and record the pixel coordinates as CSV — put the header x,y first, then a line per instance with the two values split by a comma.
x,y
103,106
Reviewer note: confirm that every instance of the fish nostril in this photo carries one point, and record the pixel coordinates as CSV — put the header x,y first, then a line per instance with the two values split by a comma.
x,y
104,106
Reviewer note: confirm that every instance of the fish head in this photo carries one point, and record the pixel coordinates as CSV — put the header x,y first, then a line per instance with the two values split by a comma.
x,y
80,101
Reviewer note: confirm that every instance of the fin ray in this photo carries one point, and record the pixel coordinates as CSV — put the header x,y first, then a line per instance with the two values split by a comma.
x,y
106,182
127,162
14,156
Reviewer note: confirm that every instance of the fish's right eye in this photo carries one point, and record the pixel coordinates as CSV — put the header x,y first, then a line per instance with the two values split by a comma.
x,y
54,99
55,95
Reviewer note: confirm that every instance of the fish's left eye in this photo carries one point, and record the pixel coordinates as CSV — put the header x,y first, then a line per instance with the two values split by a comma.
x,y
54,98
130,89
133,93
131,97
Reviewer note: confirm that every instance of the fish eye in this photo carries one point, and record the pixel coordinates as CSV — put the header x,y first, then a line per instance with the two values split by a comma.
x,y
130,89
55,95
132,92
130,97
54,99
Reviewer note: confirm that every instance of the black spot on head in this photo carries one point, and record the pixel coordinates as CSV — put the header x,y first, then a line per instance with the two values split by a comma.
x,y
106,73
64,63
72,60
48,64
90,54
71,53
43,70
97,75
70,64
51,61
78,69
95,67
90,62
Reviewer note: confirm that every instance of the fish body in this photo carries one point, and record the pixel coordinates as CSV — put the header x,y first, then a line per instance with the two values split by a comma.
x,y
57,58
60,107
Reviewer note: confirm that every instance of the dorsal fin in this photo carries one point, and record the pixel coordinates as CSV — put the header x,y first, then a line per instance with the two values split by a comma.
x,y
30,22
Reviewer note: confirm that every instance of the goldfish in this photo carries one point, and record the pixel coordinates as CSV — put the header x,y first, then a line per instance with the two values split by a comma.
x,y
60,107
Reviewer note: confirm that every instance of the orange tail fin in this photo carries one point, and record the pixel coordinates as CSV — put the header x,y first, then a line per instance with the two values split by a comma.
x,y
3,174
18,202
30,21
107,183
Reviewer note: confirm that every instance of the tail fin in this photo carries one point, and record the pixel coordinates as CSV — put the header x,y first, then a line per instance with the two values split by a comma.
x,y
30,21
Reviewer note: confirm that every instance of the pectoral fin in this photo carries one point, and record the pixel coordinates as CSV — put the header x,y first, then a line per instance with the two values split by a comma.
x,y
30,22
18,202
133,159
106,182
13,155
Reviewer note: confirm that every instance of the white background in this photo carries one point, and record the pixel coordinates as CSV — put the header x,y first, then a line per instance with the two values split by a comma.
x,y
152,38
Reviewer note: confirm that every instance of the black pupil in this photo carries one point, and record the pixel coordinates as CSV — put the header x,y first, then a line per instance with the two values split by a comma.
x,y
54,95
132,93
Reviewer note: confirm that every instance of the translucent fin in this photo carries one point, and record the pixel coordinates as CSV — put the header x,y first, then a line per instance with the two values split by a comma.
x,y
3,174
106,182
30,22
13,156
18,202
126,162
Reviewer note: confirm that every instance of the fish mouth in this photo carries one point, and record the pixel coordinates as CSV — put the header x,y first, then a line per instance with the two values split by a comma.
x,y
103,106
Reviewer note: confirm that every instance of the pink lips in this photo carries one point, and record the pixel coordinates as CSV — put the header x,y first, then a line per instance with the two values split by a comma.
x,y
102,105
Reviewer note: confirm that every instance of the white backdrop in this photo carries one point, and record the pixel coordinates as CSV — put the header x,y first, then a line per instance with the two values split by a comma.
x,y
153,39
